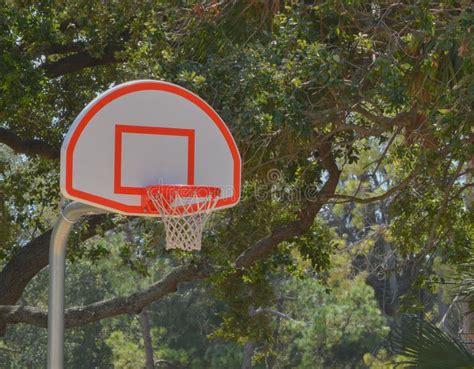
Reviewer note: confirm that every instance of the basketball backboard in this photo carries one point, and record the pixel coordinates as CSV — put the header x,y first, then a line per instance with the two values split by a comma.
x,y
144,133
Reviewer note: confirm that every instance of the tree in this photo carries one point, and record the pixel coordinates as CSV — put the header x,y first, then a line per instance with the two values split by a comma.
x,y
306,88
333,323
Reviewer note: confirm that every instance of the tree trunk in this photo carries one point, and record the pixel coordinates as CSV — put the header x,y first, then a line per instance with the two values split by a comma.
x,y
145,326
248,355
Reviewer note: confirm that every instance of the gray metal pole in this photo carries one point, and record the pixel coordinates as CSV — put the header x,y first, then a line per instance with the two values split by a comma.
x,y
57,256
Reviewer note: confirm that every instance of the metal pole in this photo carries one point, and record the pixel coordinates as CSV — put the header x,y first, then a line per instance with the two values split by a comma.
x,y
57,256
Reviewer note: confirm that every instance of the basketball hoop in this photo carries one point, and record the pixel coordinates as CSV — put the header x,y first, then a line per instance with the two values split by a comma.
x,y
135,134
184,209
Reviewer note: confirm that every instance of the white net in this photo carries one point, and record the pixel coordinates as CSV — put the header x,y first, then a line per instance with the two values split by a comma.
x,y
184,214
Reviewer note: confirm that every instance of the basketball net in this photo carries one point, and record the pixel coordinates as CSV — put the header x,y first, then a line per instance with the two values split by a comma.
x,y
185,211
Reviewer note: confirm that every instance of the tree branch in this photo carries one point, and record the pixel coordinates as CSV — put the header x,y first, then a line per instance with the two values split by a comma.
x,y
361,131
382,123
302,225
254,312
83,59
349,198
76,62
132,304
401,119
28,147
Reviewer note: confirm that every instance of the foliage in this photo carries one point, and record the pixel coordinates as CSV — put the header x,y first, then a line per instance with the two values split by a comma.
x,y
126,353
335,324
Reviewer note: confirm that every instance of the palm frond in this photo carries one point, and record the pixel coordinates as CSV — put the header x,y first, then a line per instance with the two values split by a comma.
x,y
427,347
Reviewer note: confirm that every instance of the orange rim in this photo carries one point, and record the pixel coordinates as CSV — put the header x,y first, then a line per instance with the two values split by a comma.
x,y
171,192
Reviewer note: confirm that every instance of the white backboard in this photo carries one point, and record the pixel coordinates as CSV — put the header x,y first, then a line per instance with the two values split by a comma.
x,y
145,133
